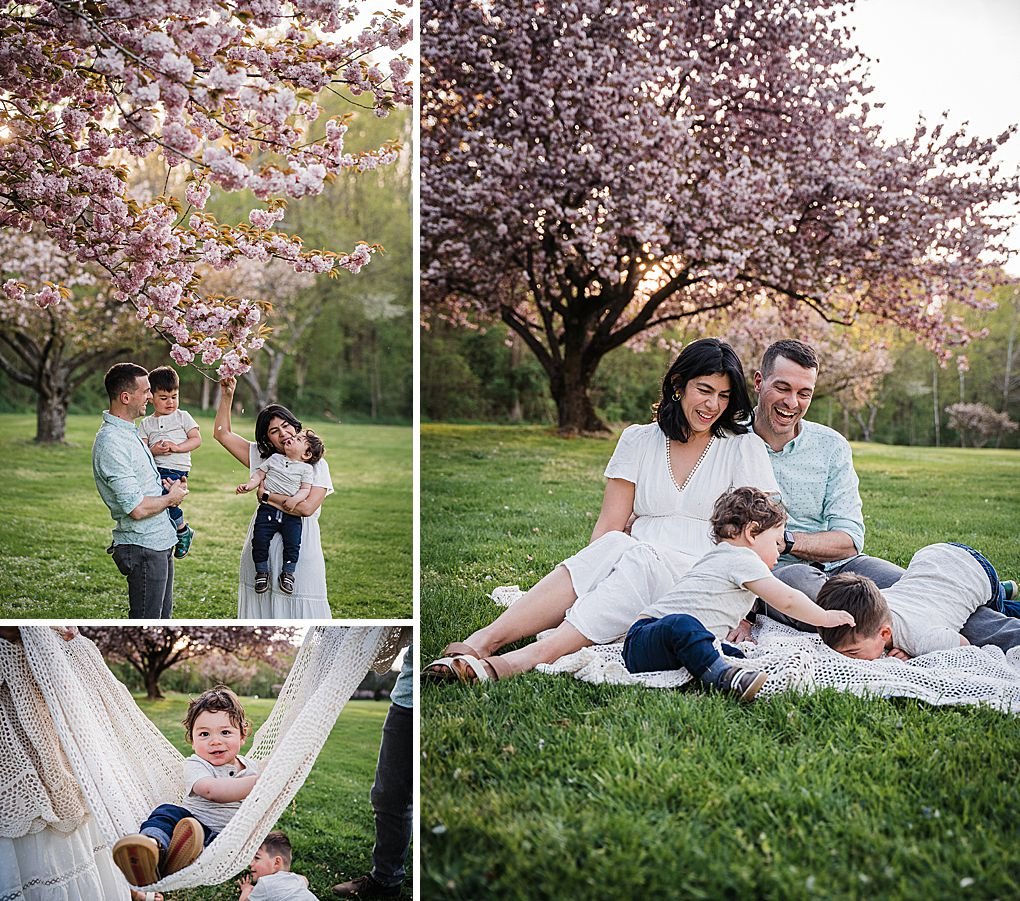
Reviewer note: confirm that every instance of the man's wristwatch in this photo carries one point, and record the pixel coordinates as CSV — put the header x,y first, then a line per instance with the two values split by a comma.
x,y
788,538
264,497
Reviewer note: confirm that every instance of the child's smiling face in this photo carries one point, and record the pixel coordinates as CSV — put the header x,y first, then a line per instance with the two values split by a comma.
x,y
263,864
215,738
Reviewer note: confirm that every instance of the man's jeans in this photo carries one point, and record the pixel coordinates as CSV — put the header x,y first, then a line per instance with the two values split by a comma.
x,y
150,577
391,797
176,514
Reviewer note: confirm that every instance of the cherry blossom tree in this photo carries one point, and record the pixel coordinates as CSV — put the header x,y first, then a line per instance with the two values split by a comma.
x,y
152,650
46,350
226,91
593,171
979,423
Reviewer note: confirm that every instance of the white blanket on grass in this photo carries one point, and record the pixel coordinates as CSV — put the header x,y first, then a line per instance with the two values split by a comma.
x,y
799,661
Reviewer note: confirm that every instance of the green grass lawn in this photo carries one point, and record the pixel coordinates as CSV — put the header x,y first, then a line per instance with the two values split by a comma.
x,y
546,787
54,529
330,822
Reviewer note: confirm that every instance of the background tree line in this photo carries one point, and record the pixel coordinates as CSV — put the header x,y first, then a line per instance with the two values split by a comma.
x,y
876,384
338,349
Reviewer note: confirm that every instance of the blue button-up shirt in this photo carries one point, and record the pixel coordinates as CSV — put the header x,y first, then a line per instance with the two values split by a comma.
x,y
125,472
815,472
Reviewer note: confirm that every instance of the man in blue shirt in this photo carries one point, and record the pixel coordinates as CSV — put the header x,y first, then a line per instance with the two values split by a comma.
x,y
128,482
814,467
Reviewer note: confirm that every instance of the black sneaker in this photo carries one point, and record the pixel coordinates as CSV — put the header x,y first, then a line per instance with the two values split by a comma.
x,y
743,684
287,583
261,583
365,887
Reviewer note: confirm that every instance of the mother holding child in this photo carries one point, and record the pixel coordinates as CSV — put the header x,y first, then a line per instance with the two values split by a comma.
x,y
293,554
664,480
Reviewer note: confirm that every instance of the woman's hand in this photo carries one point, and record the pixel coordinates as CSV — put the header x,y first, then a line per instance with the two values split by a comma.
x,y
227,385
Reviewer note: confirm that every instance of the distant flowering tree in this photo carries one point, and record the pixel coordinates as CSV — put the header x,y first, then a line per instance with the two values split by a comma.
x,y
46,350
227,91
592,171
978,423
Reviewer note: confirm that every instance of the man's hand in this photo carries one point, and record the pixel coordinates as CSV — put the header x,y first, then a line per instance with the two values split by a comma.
x,y
176,490
741,633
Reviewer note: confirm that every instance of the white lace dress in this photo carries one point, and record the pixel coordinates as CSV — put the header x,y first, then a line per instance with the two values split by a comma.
x,y
309,598
618,575
50,848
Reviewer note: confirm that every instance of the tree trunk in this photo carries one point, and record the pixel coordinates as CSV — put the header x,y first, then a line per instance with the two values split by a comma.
x,y
516,410
570,389
52,401
152,685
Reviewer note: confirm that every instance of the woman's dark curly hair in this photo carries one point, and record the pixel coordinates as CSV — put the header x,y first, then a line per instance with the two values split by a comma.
x,y
266,415
706,356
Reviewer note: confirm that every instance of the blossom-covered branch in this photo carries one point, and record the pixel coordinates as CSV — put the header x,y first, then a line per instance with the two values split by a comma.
x,y
227,91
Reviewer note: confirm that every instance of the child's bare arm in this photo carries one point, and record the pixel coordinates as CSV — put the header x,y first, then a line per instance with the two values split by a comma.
x,y
253,483
222,790
246,887
193,440
797,604
297,497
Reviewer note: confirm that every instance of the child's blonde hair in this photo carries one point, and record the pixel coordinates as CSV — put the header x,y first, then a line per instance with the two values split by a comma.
x,y
739,507
218,699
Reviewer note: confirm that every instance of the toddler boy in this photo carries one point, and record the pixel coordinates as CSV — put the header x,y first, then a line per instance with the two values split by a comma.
x,y
288,473
171,434
922,612
216,779
679,629
271,878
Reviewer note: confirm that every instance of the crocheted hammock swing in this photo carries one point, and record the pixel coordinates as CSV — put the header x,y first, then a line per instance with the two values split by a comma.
x,y
125,766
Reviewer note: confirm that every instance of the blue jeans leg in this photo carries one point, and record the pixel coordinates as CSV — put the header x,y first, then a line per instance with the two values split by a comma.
x,y
161,822
290,532
675,641
267,524
176,514
392,797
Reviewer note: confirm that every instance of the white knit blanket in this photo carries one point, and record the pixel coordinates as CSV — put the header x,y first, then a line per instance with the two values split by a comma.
x,y
799,661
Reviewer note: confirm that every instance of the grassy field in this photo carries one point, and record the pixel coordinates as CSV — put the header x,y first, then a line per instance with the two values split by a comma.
x,y
54,529
330,822
545,787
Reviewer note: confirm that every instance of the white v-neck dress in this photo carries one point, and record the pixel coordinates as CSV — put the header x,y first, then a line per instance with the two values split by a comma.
x,y
309,598
618,575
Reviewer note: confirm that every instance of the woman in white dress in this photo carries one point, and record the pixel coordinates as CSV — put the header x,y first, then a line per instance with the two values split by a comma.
x,y
663,479
50,846
274,425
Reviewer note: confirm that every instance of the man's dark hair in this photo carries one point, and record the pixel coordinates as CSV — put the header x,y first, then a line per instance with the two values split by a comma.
x,y
122,377
859,596
164,378
795,351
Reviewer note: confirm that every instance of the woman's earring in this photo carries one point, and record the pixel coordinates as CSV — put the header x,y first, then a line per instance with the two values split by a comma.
x,y
677,395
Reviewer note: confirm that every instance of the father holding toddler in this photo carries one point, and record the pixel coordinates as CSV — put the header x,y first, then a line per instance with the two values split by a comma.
x,y
130,485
